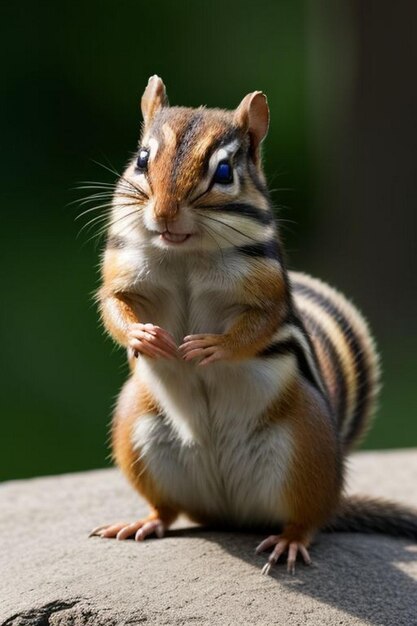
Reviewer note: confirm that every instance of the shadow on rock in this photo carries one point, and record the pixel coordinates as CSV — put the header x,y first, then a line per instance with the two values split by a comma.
x,y
362,575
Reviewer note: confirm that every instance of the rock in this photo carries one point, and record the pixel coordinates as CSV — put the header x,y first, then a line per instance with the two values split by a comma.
x,y
53,574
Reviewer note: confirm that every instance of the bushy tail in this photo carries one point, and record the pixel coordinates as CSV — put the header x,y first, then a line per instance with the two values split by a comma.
x,y
373,515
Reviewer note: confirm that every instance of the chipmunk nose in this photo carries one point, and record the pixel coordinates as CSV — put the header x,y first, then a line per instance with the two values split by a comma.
x,y
166,209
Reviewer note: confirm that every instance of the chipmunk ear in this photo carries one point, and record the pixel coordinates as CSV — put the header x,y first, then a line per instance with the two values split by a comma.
x,y
252,115
154,97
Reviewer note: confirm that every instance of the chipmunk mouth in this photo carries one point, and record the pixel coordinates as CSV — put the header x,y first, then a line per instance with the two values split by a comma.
x,y
175,238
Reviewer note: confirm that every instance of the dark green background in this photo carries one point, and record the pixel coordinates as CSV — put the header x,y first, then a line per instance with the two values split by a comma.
x,y
341,154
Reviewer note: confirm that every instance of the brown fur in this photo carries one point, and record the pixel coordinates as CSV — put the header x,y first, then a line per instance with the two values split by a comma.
x,y
333,332
264,291
117,313
349,335
173,173
117,276
314,477
133,402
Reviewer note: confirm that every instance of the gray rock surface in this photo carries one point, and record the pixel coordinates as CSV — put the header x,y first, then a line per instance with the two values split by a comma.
x,y
52,573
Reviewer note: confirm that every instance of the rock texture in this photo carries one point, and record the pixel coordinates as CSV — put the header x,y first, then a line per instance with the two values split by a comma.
x,y
51,573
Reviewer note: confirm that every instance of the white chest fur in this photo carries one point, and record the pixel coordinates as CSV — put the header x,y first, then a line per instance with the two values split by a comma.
x,y
209,451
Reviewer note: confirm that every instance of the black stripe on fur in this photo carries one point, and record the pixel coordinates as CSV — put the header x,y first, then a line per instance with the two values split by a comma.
x,y
290,346
317,330
361,367
242,209
266,250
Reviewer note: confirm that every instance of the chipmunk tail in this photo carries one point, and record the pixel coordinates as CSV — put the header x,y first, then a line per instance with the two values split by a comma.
x,y
363,514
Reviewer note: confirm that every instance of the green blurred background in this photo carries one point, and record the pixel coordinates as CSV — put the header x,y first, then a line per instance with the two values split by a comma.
x,y
340,156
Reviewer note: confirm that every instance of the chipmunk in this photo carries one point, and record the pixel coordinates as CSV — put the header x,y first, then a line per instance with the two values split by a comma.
x,y
249,383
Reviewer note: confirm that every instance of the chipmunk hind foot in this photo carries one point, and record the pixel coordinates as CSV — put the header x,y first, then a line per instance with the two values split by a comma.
x,y
153,524
286,542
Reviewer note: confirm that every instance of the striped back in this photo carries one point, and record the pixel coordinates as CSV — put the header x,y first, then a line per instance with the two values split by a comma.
x,y
345,351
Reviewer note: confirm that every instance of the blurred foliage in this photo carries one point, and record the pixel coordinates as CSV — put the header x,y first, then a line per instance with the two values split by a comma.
x,y
74,77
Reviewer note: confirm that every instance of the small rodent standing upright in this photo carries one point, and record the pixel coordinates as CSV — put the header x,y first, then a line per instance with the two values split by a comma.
x,y
249,384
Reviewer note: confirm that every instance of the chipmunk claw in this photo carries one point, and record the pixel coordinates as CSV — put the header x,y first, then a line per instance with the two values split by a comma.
x,y
266,569
96,531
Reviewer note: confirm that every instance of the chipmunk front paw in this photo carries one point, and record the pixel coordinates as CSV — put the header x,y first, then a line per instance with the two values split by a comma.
x,y
209,348
152,341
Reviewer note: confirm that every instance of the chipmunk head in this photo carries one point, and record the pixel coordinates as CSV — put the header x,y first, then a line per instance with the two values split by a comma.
x,y
197,174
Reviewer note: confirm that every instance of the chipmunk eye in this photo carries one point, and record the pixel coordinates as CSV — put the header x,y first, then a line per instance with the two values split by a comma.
x,y
223,173
142,162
